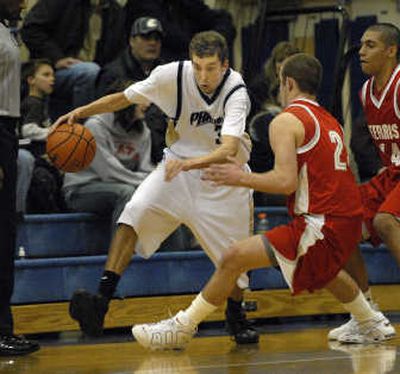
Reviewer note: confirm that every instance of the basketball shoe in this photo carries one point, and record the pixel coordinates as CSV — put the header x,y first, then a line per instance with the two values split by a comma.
x,y
351,325
237,324
89,310
374,330
172,333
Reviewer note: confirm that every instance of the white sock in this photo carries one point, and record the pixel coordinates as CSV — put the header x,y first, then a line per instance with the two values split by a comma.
x,y
199,309
360,308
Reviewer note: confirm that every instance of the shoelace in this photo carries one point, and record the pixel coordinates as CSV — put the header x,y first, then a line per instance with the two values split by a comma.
x,y
367,326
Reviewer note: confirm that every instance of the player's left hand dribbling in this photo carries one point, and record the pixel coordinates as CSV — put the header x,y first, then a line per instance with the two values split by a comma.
x,y
228,174
70,118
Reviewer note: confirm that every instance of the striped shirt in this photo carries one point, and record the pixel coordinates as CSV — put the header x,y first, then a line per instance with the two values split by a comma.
x,y
9,74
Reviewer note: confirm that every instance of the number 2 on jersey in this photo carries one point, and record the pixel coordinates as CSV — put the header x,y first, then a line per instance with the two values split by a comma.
x,y
336,139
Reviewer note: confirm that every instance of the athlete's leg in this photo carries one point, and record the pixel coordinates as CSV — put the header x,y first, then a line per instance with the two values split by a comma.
x,y
388,228
145,216
177,332
355,266
241,257
217,223
122,249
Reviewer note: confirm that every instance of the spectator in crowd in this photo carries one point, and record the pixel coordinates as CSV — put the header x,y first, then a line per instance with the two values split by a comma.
x,y
135,63
181,19
38,80
76,36
121,163
264,87
9,113
44,188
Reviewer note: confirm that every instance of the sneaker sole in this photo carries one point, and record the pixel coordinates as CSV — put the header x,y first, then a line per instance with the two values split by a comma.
x,y
385,338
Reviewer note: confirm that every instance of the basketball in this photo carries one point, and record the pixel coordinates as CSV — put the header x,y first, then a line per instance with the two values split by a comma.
x,y
71,148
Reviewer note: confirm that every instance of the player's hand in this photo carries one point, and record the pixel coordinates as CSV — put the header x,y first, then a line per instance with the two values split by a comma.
x,y
228,174
173,168
70,118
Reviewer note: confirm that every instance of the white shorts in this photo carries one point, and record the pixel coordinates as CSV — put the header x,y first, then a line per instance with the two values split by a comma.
x,y
217,216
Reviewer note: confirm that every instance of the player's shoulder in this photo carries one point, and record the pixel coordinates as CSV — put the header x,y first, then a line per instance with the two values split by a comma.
x,y
169,68
235,77
285,120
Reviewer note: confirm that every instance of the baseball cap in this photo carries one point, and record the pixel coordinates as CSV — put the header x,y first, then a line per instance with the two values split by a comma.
x,y
146,25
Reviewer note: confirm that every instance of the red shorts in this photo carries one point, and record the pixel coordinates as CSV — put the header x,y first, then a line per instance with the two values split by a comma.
x,y
380,195
311,250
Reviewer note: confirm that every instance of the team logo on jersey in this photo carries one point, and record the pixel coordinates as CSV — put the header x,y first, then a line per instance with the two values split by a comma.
x,y
384,132
204,118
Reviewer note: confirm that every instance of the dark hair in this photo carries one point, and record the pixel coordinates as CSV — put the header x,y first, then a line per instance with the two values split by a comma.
x,y
390,34
30,68
305,69
124,116
208,43
281,51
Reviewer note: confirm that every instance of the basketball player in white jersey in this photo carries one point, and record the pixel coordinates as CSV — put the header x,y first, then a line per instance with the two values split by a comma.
x,y
208,104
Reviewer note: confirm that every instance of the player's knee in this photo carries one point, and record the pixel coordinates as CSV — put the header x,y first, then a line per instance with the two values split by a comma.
x,y
126,232
233,260
384,223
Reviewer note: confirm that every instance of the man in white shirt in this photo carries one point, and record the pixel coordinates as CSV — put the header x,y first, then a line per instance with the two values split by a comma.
x,y
208,104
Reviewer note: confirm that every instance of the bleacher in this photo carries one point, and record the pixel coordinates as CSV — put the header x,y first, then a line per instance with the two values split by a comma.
x,y
63,252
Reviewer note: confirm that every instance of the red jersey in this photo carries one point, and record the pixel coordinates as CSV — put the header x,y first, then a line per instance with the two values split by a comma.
x,y
383,117
326,184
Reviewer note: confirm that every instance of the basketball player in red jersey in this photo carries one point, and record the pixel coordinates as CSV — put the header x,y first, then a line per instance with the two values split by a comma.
x,y
311,167
380,96
379,57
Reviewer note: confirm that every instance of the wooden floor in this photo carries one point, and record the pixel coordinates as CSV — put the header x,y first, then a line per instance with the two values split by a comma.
x,y
286,349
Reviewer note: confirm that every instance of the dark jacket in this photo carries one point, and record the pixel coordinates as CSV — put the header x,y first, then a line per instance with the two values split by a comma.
x,y
55,29
181,19
124,67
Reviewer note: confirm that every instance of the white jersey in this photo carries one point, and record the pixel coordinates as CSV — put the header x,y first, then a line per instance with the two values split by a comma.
x,y
201,119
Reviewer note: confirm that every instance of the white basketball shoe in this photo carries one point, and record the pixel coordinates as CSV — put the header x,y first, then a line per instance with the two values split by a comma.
x,y
351,326
172,333
374,330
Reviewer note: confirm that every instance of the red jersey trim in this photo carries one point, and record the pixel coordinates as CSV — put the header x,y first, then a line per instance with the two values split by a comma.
x,y
379,102
314,140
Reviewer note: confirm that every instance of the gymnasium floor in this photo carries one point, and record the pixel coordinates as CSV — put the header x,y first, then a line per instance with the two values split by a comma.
x,y
295,346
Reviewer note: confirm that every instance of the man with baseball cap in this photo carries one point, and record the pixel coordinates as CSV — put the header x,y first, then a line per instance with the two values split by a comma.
x,y
135,63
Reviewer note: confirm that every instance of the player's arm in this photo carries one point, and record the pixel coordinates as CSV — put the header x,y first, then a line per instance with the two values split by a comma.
x,y
105,104
228,148
286,134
